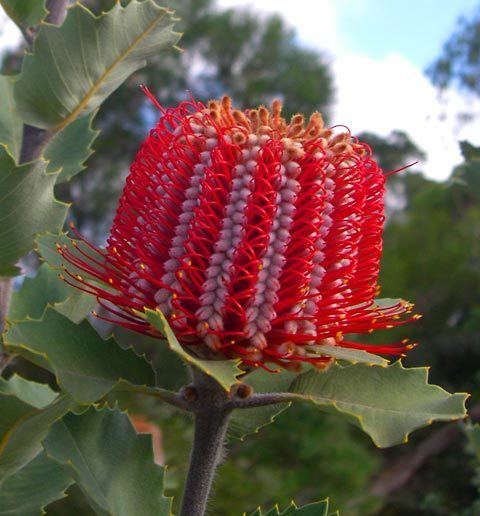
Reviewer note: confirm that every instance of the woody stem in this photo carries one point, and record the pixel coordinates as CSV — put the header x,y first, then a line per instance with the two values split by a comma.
x,y
211,411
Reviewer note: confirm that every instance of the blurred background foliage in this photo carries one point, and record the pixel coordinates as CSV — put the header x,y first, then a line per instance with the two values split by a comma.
x,y
431,256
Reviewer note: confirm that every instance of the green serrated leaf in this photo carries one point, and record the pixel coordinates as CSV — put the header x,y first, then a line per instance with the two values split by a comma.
x,y
351,355
86,366
68,150
46,248
46,288
11,126
113,465
39,483
387,402
244,422
37,395
77,306
225,372
27,207
25,13
312,509
23,425
93,56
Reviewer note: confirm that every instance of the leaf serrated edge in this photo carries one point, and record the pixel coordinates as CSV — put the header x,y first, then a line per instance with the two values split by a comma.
x,y
116,407
84,101
360,418
53,369
271,420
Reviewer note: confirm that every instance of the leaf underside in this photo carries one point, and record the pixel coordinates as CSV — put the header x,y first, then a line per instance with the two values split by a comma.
x,y
113,465
388,403
68,150
11,125
93,57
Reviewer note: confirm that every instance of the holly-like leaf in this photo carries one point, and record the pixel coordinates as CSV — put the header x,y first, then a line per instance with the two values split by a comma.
x,y
26,415
113,465
312,509
70,148
93,56
27,207
25,13
47,288
244,422
386,402
77,306
11,125
39,483
225,372
85,365
249,421
37,395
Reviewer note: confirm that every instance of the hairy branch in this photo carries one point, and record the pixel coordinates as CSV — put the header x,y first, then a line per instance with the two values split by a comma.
x,y
261,400
172,398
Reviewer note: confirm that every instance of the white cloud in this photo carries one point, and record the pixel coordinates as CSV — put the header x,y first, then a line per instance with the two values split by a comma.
x,y
379,95
315,20
10,35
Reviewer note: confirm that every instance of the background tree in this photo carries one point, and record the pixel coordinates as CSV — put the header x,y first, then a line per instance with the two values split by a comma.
x,y
459,62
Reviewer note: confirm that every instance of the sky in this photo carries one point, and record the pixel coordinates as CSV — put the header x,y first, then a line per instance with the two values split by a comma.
x,y
378,50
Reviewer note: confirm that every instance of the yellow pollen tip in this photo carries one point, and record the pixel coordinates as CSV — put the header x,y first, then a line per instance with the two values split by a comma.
x,y
205,324
61,276
72,225
79,278
115,250
142,266
174,296
180,274
110,280
94,313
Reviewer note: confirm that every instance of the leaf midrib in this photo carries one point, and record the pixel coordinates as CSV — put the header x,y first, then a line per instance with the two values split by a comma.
x,y
96,86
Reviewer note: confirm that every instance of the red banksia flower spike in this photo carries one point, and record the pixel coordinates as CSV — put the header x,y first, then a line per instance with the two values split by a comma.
x,y
257,237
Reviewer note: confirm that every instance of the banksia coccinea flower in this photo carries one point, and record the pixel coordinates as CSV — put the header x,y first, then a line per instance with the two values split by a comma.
x,y
257,238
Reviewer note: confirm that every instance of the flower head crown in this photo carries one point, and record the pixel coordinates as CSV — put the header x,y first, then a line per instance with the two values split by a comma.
x,y
256,237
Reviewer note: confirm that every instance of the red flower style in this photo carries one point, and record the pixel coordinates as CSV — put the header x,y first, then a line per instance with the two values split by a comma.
x,y
257,238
